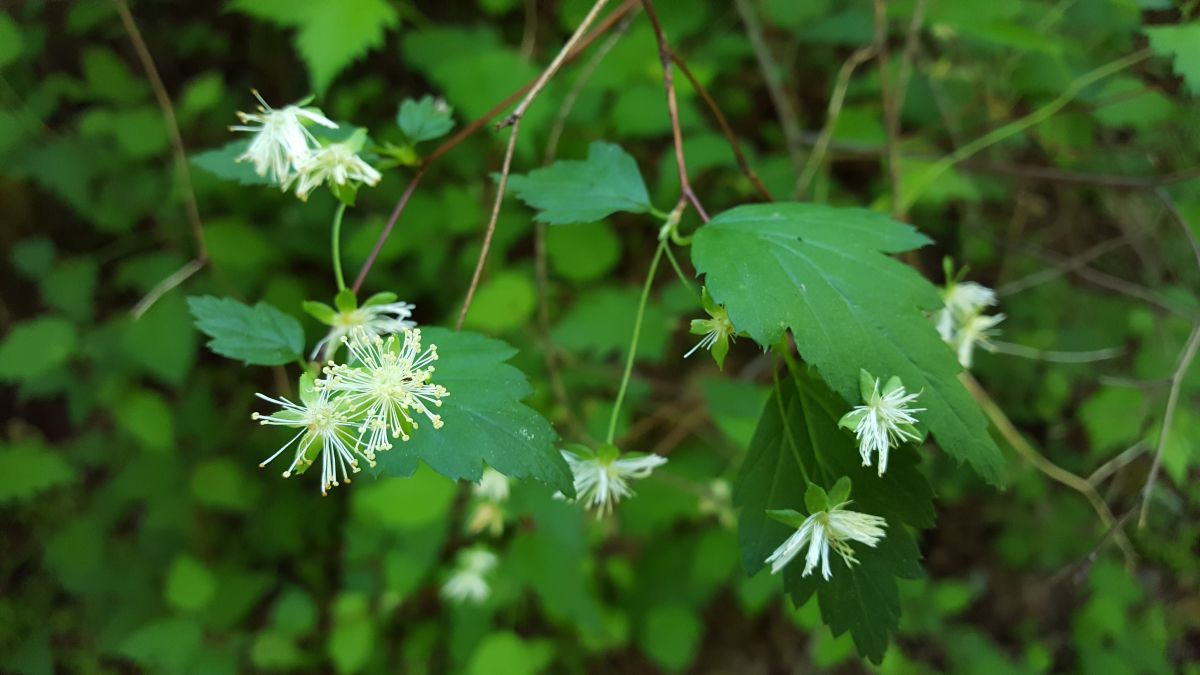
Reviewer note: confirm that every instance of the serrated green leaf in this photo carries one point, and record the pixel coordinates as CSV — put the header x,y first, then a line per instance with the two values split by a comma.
x,y
222,163
258,336
571,191
28,469
330,34
424,120
797,441
484,418
820,272
1181,44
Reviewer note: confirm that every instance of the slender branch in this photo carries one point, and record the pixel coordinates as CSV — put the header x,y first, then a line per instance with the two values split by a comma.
x,y
601,28
166,286
1113,465
1059,269
664,57
910,52
1089,356
633,341
891,115
1185,362
789,121
836,98
585,74
727,130
1177,216
179,153
927,177
529,34
514,121
1041,463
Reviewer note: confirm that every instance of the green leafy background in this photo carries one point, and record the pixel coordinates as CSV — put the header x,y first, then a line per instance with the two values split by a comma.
x,y
140,536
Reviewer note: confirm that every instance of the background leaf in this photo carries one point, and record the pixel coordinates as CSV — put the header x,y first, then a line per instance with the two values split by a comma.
x,y
848,307
258,336
28,469
1182,45
570,191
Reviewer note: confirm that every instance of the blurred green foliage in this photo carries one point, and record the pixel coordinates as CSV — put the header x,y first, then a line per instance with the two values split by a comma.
x,y
138,535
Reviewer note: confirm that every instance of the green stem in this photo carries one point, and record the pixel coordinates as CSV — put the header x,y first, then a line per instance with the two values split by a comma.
x,y
925,179
633,343
679,271
336,246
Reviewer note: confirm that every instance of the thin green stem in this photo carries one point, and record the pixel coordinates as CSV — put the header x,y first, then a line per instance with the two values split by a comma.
x,y
679,270
927,178
336,246
787,427
633,343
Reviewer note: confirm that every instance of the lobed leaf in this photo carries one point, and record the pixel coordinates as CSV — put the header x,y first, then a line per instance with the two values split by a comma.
x,y
258,336
485,421
821,272
572,191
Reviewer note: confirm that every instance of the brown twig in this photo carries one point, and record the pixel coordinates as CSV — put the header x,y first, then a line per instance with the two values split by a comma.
x,y
1181,369
467,131
514,121
1041,463
789,121
727,130
836,99
181,163
909,54
891,116
664,57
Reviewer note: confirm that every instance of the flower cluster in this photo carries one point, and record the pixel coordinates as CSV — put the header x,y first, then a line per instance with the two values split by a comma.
x,y
602,478
383,392
884,420
832,528
489,497
284,151
962,323
468,582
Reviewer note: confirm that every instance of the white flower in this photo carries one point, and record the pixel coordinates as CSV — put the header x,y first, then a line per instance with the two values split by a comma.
x,y
493,486
717,331
388,382
467,583
978,329
280,140
324,421
601,478
884,420
381,319
336,164
823,530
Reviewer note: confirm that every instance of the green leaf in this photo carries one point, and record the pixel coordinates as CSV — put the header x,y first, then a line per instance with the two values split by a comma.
x,y
484,418
503,303
10,40
821,272
670,636
798,441
507,653
424,120
32,348
1182,45
570,191
330,34
28,469
259,336
190,586
164,645
222,163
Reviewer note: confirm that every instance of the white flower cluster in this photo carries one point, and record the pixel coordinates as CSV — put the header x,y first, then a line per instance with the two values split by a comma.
x,y
962,323
468,583
602,478
286,152
829,529
360,406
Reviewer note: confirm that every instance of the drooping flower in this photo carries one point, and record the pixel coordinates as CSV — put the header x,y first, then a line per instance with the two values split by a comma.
x,y
717,330
388,380
488,511
381,314
885,419
280,140
833,528
977,330
468,582
602,478
324,430
337,164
